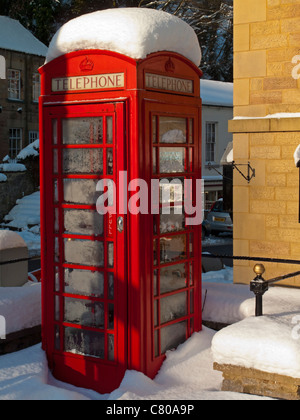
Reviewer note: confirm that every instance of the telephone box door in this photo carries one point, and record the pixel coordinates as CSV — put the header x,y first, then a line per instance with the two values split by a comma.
x,y
85,309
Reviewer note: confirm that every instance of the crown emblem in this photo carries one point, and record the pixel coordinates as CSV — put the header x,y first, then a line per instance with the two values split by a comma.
x,y
170,66
86,65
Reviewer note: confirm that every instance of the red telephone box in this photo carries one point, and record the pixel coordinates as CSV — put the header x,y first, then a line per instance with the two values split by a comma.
x,y
119,290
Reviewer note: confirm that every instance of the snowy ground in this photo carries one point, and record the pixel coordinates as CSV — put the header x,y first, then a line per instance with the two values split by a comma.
x,y
187,373
25,216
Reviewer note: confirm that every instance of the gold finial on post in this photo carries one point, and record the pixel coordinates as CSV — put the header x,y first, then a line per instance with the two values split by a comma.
x,y
259,269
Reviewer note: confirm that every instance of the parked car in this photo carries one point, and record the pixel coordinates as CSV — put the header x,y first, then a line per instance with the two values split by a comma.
x,y
219,220
206,228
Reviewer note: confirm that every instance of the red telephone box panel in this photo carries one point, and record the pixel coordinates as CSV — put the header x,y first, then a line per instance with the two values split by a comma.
x,y
121,288
86,315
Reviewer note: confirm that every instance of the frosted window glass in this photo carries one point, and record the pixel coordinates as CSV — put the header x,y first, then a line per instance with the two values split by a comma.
x,y
84,283
173,307
88,343
84,252
173,278
83,222
172,336
83,161
84,312
82,131
80,191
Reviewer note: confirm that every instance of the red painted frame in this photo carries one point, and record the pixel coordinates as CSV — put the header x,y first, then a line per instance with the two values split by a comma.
x,y
134,104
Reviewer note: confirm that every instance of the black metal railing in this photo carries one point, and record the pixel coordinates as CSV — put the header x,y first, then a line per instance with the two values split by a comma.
x,y
259,286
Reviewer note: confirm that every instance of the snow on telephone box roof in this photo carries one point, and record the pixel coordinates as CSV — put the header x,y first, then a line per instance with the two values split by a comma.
x,y
15,37
134,32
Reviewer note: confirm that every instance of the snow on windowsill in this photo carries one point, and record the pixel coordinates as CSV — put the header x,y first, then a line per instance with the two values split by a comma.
x,y
279,115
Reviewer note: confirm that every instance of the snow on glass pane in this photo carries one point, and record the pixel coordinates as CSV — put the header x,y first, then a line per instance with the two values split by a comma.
x,y
172,336
82,131
111,347
84,283
111,286
109,130
172,222
80,191
88,343
83,161
110,161
172,130
172,248
171,160
173,307
83,222
173,278
84,252
84,312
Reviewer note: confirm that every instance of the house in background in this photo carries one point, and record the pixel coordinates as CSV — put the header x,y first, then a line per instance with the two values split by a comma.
x,y
19,93
217,110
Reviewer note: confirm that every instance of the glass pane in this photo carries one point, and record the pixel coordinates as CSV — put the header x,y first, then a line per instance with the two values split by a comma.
x,y
57,308
111,286
110,161
84,312
56,220
82,131
191,131
156,343
173,248
173,307
80,191
154,252
173,278
111,316
109,130
57,280
83,222
172,130
155,281
84,252
110,254
172,222
84,283
111,347
55,161
88,343
172,336
55,191
171,160
57,338
154,164
155,313
56,250
83,161
171,191
54,131
154,129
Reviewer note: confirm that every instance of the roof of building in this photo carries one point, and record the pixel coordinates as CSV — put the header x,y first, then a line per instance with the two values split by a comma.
x,y
216,93
15,37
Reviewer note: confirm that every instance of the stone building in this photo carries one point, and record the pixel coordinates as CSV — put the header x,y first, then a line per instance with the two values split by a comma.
x,y
266,132
217,110
22,55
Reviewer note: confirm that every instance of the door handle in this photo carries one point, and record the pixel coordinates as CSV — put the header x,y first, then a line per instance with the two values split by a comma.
x,y
120,224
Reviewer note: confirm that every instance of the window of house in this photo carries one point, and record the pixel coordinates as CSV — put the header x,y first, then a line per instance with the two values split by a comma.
x,y
36,87
15,142
33,136
210,145
14,84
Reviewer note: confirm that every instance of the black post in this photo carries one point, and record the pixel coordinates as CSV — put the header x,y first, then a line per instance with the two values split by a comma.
x,y
259,287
